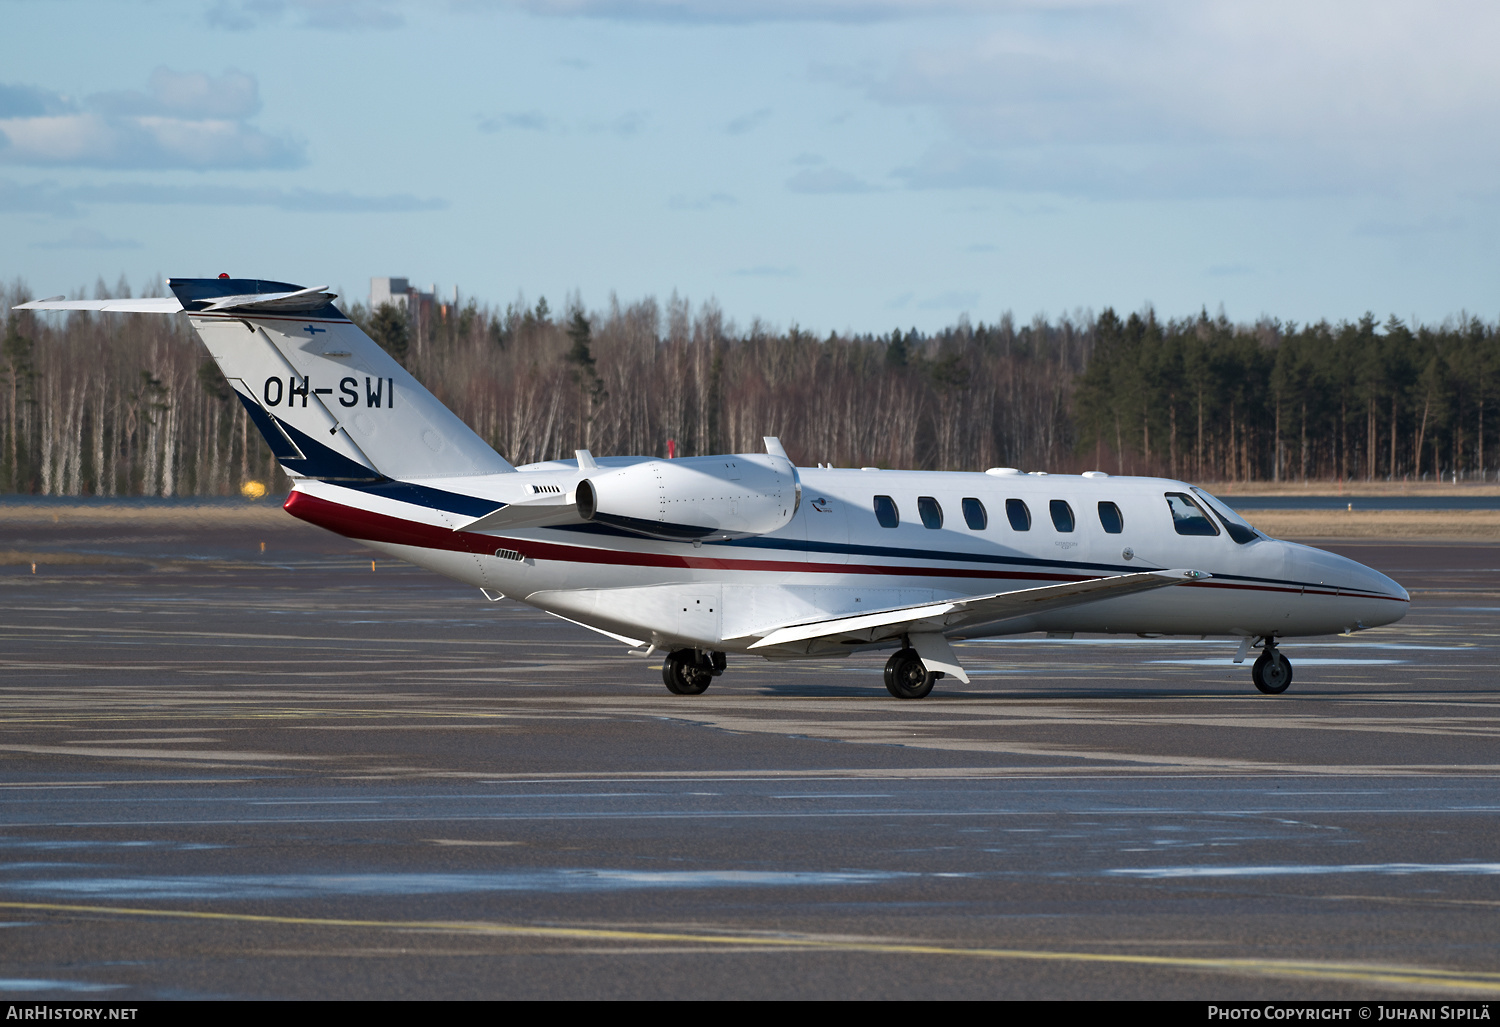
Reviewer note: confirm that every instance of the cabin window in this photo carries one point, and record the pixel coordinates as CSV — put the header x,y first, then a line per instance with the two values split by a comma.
x,y
885,512
1062,515
975,516
932,513
1188,517
1110,518
1020,517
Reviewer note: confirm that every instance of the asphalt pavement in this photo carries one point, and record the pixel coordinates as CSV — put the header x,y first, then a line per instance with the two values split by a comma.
x,y
236,772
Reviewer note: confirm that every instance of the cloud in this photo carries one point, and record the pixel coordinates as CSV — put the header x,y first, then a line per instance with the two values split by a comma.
x,y
36,198
66,201
87,239
18,101
681,201
337,15
1233,99
1430,225
749,11
826,180
182,120
234,95
529,121
746,122
630,123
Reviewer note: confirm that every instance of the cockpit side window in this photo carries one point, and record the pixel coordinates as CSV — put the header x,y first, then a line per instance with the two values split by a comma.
x,y
886,512
1239,529
1188,517
1019,516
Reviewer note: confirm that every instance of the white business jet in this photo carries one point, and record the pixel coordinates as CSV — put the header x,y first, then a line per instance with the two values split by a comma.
x,y
746,553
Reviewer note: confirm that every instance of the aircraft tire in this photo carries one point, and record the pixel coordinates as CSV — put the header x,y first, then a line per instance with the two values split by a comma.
x,y
1272,673
906,677
682,675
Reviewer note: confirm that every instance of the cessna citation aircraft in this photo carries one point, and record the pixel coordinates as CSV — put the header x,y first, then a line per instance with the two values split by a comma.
x,y
704,556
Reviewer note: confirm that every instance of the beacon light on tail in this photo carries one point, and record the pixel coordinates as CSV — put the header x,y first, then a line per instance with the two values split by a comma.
x,y
705,557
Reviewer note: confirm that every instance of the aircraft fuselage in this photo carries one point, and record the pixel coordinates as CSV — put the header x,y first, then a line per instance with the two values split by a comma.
x,y
835,558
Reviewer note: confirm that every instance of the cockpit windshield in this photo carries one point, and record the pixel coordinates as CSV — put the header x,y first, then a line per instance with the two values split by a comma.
x,y
1239,529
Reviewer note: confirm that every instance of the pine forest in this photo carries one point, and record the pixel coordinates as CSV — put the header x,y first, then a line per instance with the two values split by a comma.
x,y
130,405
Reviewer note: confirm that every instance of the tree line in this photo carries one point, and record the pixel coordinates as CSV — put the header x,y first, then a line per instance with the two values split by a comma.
x,y
1204,399
117,405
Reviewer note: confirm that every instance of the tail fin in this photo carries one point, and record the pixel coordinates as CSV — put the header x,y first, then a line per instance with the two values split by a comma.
x,y
330,402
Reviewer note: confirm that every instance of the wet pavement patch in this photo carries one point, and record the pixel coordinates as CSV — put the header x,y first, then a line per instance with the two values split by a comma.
x,y
1295,869
551,881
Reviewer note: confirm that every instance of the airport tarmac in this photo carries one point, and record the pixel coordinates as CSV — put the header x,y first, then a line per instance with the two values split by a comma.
x,y
236,773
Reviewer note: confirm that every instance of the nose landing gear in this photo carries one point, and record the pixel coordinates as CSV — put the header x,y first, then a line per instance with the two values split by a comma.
x,y
691,671
1272,672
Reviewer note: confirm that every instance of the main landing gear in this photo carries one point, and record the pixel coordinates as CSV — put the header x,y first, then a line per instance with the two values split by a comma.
x,y
906,677
1272,672
691,671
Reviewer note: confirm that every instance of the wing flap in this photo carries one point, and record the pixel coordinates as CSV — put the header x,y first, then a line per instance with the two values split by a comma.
x,y
934,618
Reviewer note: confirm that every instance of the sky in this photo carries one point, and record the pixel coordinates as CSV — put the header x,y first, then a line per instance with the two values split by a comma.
x,y
842,165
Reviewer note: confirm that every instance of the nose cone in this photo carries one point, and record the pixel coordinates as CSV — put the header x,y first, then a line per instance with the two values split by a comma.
x,y
1386,602
1369,597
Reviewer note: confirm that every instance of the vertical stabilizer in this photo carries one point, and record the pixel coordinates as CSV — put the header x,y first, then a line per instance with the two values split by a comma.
x,y
330,402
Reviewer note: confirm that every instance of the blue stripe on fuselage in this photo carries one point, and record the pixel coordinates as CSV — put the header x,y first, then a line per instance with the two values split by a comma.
x,y
437,499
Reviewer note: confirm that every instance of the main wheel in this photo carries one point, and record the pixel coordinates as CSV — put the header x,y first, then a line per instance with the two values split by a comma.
x,y
1272,673
682,675
906,677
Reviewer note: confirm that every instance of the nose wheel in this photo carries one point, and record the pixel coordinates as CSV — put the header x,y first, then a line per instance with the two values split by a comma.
x,y
1272,672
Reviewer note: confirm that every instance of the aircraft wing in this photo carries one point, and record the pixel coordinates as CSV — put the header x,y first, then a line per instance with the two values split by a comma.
x,y
926,623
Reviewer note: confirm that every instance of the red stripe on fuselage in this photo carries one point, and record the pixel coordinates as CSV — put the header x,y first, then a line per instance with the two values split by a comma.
x,y
353,522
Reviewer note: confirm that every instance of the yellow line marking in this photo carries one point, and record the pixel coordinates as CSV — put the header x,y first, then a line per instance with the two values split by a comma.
x,y
1393,976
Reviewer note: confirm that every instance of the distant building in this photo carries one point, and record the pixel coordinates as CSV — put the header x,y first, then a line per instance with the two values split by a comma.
x,y
398,291
423,309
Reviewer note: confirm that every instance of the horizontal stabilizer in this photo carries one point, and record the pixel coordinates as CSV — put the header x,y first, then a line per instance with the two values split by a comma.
x,y
145,305
301,299
935,618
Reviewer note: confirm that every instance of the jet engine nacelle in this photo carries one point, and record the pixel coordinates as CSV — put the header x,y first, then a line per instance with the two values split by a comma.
x,y
695,498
